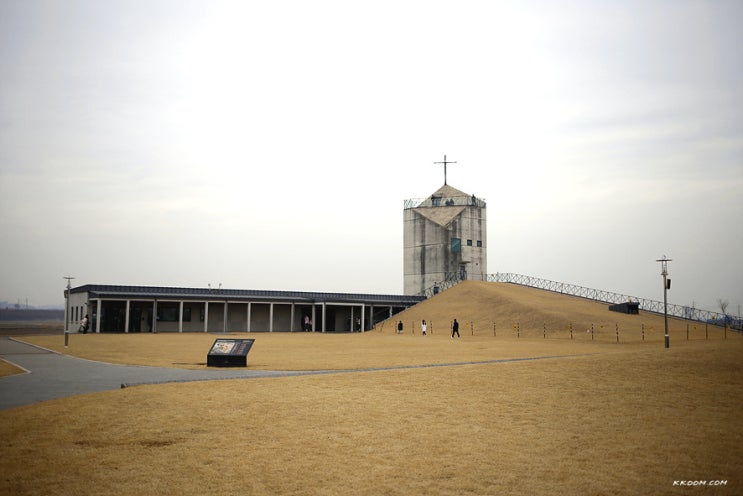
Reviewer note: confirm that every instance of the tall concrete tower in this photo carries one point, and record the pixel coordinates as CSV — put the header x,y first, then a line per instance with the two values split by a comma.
x,y
445,240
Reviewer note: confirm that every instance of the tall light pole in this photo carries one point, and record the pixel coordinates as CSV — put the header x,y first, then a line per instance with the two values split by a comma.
x,y
666,286
67,303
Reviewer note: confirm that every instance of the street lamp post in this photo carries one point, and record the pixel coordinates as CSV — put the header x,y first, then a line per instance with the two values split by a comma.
x,y
67,303
666,286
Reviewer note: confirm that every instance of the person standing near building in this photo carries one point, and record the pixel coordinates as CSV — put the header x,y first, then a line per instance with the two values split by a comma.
x,y
423,328
84,324
399,327
455,329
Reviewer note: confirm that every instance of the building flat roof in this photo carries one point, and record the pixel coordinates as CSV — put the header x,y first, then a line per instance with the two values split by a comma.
x,y
203,294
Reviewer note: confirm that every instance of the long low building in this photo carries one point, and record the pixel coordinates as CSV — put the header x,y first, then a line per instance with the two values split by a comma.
x,y
164,309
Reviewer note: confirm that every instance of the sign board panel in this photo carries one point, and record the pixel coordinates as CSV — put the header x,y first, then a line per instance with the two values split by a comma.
x,y
229,353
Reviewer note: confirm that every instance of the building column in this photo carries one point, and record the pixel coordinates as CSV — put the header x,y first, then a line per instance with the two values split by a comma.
x,y
206,316
314,317
98,316
248,316
126,317
323,316
180,317
363,317
224,322
291,319
270,317
154,316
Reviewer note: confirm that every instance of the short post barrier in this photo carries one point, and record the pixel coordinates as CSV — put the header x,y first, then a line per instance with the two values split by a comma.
x,y
571,331
66,339
687,331
544,330
493,329
591,332
617,324
706,329
643,332
472,328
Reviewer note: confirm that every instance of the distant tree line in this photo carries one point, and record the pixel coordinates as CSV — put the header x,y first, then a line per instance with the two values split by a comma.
x,y
13,314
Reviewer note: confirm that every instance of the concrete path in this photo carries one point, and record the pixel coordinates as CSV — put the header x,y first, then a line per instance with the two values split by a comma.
x,y
50,375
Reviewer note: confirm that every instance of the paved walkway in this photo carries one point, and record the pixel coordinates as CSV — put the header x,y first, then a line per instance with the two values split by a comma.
x,y
50,375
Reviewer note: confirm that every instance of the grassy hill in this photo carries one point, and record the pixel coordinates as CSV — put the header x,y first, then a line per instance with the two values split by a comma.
x,y
479,305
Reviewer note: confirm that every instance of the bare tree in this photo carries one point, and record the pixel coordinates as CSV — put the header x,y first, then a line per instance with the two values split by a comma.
x,y
723,306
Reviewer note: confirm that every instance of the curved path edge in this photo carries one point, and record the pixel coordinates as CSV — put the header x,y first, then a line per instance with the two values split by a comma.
x,y
51,375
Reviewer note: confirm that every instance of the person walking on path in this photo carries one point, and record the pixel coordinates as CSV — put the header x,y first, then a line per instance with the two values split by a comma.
x,y
423,328
399,327
455,329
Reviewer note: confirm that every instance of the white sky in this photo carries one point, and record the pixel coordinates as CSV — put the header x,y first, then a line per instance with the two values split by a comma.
x,y
270,145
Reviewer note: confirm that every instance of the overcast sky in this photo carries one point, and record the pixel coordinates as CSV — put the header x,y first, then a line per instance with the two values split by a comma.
x,y
271,145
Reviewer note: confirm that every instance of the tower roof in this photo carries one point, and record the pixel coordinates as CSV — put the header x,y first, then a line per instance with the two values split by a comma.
x,y
447,203
448,191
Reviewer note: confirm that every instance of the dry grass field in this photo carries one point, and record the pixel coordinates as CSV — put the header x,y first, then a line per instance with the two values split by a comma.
x,y
597,418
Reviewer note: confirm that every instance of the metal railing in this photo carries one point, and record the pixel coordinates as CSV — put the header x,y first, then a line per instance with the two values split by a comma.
x,y
445,201
450,279
680,311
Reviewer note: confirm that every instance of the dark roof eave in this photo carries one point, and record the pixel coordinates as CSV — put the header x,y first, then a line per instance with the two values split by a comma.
x,y
195,294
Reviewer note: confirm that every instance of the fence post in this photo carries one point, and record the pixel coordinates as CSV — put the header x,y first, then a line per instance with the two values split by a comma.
x,y
571,331
617,324
706,329
591,332
544,330
643,332
687,331
493,329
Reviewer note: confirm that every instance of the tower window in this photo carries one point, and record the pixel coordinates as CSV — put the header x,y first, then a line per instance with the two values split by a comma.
x,y
456,245
479,243
469,242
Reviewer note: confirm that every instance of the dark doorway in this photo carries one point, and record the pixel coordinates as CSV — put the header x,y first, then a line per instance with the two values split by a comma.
x,y
135,317
113,315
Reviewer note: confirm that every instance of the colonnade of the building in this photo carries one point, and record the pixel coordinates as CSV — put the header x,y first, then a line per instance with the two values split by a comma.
x,y
143,315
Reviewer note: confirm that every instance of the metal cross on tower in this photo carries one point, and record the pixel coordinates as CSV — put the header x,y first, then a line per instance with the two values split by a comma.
x,y
444,162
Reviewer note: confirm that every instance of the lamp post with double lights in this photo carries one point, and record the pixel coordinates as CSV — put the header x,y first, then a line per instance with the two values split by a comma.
x,y
666,286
